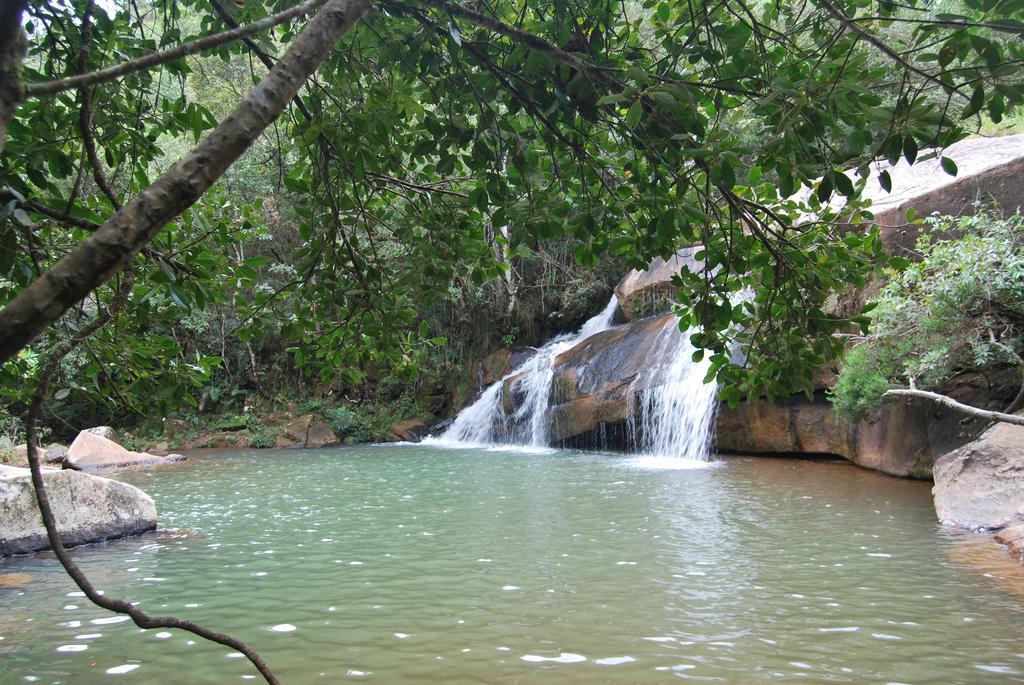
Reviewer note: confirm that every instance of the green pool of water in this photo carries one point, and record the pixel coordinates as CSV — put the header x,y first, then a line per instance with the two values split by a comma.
x,y
399,564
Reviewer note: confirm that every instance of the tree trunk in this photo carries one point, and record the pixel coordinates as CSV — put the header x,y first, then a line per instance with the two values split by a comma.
x,y
109,249
13,45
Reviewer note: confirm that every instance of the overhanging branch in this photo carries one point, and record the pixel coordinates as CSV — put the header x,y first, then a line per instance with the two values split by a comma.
x,y
105,252
162,56
949,402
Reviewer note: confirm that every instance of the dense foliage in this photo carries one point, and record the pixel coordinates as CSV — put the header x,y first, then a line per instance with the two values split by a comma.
x,y
442,147
961,308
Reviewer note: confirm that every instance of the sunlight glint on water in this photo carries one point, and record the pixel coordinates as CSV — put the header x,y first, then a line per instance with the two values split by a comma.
x,y
401,564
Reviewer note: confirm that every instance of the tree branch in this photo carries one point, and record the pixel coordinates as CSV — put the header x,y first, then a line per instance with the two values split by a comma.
x,y
109,249
156,58
849,23
85,112
949,402
141,618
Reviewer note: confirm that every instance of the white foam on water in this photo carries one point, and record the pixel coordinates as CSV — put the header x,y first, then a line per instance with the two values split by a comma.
x,y
122,669
108,620
485,423
563,658
282,628
615,660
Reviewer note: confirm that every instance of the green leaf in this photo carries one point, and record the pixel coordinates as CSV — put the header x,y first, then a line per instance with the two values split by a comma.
x,y
949,166
454,31
634,113
885,180
910,149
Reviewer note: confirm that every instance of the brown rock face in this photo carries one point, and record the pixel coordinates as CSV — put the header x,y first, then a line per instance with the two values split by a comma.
x,y
90,452
411,430
320,435
643,293
981,485
990,170
1013,538
297,429
902,439
590,390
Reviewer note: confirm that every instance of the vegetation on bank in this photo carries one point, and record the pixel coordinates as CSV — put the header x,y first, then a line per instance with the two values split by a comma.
x,y
958,311
450,179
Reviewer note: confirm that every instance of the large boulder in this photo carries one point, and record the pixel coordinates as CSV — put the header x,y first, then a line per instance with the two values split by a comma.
x,y
105,432
410,430
981,485
990,170
592,381
320,435
90,452
643,293
87,508
307,431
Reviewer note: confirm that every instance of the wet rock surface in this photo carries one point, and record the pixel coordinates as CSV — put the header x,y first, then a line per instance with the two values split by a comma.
x,y
981,485
87,508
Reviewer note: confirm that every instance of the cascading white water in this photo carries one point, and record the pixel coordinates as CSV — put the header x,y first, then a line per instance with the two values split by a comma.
x,y
673,410
485,422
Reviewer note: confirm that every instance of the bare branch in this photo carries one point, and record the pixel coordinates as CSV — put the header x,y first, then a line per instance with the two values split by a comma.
x,y
160,57
949,402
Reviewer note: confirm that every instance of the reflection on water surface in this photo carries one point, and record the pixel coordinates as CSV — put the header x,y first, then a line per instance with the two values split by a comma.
x,y
414,564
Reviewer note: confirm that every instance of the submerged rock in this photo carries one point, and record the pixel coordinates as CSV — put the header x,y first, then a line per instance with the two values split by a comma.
x,y
1013,538
981,485
87,508
90,452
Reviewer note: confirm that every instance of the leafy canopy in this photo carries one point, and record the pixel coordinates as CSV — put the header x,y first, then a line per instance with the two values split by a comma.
x,y
438,138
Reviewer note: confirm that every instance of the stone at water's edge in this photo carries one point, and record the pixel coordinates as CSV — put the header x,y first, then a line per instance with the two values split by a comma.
x,y
320,435
90,452
307,431
87,508
902,439
1013,538
411,430
981,485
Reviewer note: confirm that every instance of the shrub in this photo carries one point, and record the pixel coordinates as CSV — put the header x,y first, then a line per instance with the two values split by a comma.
x,y
960,308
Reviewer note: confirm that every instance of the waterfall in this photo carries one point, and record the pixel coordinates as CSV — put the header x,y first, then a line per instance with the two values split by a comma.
x,y
672,414
485,422
671,410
